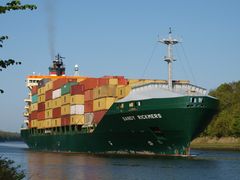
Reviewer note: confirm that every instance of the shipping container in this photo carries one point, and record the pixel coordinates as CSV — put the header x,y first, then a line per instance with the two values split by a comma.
x,y
65,89
34,90
48,104
98,115
105,91
34,123
77,99
48,114
49,85
88,95
77,109
42,82
90,83
58,83
41,106
65,99
88,118
65,120
41,98
35,98
122,80
56,122
48,123
77,89
123,91
103,103
65,109
34,107
56,102
88,106
107,81
48,95
56,112
56,93
33,115
41,115
77,119
41,90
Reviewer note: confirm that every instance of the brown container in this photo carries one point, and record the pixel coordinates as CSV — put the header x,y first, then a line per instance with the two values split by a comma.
x,y
34,90
33,115
41,106
48,95
58,83
41,115
88,106
98,115
90,83
65,120
56,112
88,95
77,89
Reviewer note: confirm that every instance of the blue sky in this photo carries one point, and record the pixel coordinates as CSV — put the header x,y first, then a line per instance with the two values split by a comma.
x,y
117,38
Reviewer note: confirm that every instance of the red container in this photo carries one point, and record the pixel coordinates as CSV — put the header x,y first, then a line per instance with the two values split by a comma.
x,y
77,89
58,83
56,112
41,106
41,115
98,115
88,106
34,90
122,80
48,95
103,81
90,83
33,115
65,120
88,95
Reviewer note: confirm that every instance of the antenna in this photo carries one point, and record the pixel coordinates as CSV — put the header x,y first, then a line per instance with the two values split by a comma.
x,y
169,58
76,70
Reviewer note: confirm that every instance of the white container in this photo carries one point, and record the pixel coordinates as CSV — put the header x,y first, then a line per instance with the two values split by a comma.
x,y
56,93
77,109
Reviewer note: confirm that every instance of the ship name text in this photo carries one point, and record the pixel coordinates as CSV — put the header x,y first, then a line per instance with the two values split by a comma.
x,y
144,116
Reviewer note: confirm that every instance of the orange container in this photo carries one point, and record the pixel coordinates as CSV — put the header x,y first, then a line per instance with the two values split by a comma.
x,y
41,115
41,106
88,95
77,89
48,95
58,83
88,106
65,120
34,90
90,83
56,113
98,115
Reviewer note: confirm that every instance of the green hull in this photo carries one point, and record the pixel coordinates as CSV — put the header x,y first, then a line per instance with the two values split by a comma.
x,y
163,126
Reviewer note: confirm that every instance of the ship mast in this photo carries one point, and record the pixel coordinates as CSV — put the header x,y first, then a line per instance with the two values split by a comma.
x,y
169,58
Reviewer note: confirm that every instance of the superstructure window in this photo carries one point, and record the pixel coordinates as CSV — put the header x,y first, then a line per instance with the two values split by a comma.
x,y
131,104
138,103
121,106
200,100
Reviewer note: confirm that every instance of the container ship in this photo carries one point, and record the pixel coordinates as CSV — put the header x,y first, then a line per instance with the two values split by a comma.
x,y
113,114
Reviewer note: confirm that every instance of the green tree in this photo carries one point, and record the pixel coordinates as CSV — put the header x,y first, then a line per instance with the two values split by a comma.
x,y
12,5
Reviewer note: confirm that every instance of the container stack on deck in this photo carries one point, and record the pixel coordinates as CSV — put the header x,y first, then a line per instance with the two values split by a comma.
x,y
68,101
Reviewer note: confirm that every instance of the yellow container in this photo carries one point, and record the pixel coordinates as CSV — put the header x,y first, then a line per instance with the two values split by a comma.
x,y
65,99
133,81
65,109
33,107
48,104
77,119
113,81
40,124
104,91
49,85
123,91
41,98
56,102
41,90
77,99
47,123
103,103
48,113
34,123
56,122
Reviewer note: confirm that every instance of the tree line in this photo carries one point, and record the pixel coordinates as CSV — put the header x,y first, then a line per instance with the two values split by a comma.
x,y
227,121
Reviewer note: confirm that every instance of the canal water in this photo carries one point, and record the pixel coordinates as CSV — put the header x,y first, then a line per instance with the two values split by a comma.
x,y
63,166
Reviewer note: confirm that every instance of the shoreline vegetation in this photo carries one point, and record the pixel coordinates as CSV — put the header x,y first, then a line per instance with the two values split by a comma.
x,y
9,136
214,143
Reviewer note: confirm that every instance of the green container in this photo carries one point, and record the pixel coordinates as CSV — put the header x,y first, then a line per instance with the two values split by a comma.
x,y
66,88
34,98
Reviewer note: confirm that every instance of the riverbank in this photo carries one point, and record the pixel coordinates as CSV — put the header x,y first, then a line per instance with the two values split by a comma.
x,y
224,143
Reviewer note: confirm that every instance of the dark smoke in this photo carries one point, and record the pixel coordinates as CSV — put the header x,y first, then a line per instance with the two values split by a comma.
x,y
50,15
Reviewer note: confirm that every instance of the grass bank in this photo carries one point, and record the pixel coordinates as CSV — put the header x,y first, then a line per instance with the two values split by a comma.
x,y
225,143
